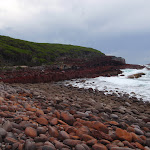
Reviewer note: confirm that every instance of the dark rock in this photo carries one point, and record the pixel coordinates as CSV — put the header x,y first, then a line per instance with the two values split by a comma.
x,y
3,132
48,147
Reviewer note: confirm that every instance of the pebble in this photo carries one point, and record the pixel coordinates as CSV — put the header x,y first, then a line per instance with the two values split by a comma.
x,y
50,121
3,132
114,116
138,131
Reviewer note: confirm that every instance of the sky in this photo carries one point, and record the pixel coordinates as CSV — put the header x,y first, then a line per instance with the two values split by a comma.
x,y
115,27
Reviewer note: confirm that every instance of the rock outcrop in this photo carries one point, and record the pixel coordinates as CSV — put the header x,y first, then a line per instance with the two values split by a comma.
x,y
69,69
137,75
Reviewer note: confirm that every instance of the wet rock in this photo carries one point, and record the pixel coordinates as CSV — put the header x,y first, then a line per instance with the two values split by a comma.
x,y
10,140
53,131
71,143
48,147
127,104
100,126
41,138
63,135
138,131
54,121
30,145
42,121
99,146
60,145
81,147
123,135
85,137
114,116
120,148
29,131
138,75
148,142
3,132
67,117
39,112
92,142
41,130
7,126
108,109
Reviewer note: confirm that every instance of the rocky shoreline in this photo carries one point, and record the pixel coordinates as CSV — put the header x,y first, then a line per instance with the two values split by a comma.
x,y
51,116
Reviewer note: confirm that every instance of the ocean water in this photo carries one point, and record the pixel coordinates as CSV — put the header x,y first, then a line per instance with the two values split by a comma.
x,y
139,88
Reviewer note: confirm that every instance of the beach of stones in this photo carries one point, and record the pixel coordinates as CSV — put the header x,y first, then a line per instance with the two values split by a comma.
x,y
52,116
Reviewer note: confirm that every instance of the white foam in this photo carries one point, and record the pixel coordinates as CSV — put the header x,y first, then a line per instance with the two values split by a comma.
x,y
139,88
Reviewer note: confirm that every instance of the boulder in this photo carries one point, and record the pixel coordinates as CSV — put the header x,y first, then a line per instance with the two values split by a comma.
x,y
137,75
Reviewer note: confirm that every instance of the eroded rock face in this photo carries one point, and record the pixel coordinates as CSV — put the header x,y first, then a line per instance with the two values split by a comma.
x,y
71,68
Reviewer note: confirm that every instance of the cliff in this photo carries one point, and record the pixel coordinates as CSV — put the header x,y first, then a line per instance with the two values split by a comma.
x,y
19,52
52,62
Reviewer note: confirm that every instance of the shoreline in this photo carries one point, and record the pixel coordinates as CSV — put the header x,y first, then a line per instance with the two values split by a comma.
x,y
62,111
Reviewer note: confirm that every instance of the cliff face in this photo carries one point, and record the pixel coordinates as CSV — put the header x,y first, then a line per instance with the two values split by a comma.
x,y
66,70
53,62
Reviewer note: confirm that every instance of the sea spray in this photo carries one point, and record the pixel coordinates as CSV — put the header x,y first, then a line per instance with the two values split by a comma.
x,y
121,84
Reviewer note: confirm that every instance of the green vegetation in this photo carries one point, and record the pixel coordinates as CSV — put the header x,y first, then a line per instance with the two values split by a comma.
x,y
20,52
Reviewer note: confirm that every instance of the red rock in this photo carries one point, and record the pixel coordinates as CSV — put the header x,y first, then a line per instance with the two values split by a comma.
x,y
25,118
41,138
20,147
99,146
10,140
62,122
134,137
70,129
63,135
1,100
54,121
86,137
2,114
123,134
4,108
120,148
68,118
56,112
53,131
145,129
41,130
7,126
39,112
42,121
83,130
100,135
81,147
126,143
143,137
71,143
100,126
60,145
139,145
91,142
105,142
31,109
113,123
130,129
77,124
29,131
74,137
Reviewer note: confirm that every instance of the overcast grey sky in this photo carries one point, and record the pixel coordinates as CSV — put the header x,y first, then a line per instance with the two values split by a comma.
x,y
115,27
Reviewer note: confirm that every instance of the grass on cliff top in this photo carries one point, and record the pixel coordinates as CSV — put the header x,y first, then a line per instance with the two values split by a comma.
x,y
20,52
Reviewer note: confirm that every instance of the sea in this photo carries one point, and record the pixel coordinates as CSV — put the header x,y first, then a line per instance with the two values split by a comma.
x,y
120,85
